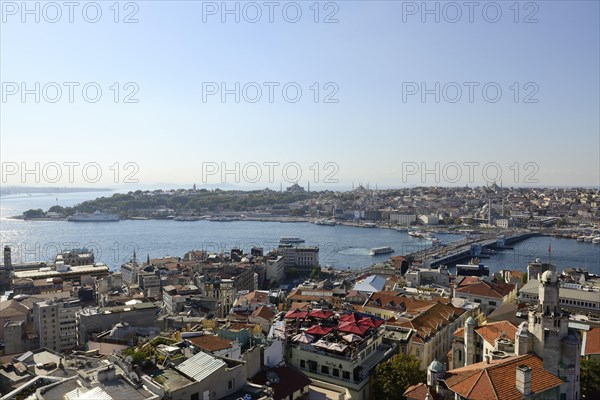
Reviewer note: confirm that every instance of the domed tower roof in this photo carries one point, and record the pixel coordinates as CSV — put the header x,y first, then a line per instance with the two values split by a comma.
x,y
549,277
470,321
436,366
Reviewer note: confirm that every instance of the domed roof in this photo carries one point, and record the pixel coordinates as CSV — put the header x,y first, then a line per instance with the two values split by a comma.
x,y
121,330
436,366
470,321
571,338
549,277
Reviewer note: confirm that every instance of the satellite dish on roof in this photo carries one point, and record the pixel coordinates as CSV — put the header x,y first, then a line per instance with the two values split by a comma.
x,y
129,359
134,377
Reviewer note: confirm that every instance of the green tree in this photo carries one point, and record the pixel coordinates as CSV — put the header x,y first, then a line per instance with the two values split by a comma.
x,y
590,378
34,213
57,209
394,376
292,273
316,272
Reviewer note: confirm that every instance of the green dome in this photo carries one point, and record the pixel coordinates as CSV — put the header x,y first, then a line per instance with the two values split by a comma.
x,y
436,366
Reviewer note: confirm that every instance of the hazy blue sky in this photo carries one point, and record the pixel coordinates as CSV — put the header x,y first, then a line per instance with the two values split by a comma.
x,y
377,132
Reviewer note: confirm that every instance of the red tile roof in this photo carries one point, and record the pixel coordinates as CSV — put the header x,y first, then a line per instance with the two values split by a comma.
x,y
419,392
211,343
497,380
494,289
495,330
431,321
255,297
592,342
395,301
263,312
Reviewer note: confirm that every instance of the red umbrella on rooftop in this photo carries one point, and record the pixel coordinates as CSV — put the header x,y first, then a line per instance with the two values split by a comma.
x,y
318,330
353,327
371,322
352,317
322,314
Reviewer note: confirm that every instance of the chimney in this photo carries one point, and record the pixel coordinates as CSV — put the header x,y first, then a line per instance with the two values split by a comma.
x,y
486,359
523,382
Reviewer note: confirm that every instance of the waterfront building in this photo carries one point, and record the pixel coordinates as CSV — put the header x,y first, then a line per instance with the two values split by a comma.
x,y
81,256
304,258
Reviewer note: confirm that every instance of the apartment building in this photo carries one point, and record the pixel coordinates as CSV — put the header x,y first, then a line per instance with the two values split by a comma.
x,y
56,323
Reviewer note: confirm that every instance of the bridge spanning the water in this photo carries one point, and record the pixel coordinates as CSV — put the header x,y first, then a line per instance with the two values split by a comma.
x,y
462,249
450,253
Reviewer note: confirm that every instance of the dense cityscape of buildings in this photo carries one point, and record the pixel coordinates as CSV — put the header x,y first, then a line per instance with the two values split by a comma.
x,y
490,205
272,324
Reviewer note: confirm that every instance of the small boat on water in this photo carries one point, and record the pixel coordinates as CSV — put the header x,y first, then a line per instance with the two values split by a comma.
x,y
421,235
596,240
221,219
326,222
187,219
381,250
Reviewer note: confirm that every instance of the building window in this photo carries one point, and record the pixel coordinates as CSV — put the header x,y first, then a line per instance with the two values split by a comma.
x,y
195,396
492,303
230,384
325,369
346,375
302,364
336,372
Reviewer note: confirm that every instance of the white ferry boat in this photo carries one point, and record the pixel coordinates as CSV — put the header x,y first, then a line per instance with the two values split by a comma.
x,y
97,216
291,240
381,250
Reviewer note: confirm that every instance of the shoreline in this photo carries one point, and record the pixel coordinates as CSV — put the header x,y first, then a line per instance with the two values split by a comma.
x,y
454,230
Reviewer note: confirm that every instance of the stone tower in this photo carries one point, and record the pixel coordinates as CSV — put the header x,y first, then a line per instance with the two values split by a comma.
x,y
552,339
547,323
6,270
435,371
470,325
7,258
